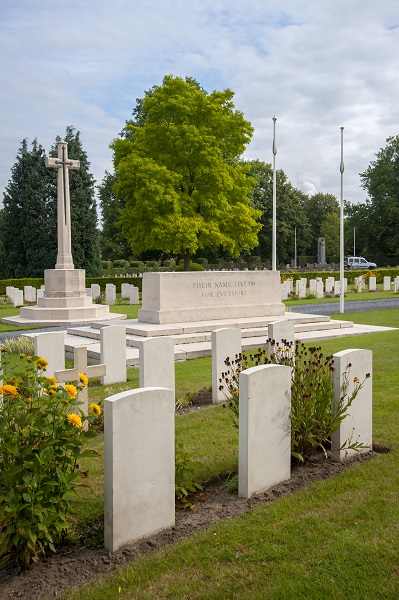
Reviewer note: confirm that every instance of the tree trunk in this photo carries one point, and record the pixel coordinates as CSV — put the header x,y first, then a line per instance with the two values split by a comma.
x,y
187,260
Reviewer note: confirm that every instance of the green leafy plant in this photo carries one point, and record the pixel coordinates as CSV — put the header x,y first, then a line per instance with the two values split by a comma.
x,y
313,418
42,432
185,487
19,345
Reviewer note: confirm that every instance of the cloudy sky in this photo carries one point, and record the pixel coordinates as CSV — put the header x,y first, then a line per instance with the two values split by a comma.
x,y
316,65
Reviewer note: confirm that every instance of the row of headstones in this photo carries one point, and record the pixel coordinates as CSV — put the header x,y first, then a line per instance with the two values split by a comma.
x,y
28,294
139,498
139,493
128,291
332,286
316,286
31,294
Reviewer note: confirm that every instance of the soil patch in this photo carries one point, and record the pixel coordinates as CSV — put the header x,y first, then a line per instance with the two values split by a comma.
x,y
55,574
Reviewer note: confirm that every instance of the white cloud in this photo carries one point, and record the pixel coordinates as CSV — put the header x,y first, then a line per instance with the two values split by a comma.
x,y
317,66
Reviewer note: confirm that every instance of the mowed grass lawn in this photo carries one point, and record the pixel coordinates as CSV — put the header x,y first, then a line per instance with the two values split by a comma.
x,y
337,539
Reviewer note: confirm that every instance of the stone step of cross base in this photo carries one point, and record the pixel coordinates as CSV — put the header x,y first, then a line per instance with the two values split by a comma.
x,y
193,340
196,345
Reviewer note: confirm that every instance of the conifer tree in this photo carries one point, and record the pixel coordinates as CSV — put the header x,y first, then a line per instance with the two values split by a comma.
x,y
28,226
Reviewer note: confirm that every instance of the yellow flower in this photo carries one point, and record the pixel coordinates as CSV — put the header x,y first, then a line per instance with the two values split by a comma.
x,y
75,420
355,379
22,355
52,392
83,379
95,410
71,390
51,380
41,363
11,390
29,400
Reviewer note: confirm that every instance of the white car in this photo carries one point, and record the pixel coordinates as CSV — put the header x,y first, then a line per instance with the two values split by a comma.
x,y
358,262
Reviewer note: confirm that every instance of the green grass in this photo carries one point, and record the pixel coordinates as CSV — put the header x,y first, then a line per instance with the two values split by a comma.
x,y
337,539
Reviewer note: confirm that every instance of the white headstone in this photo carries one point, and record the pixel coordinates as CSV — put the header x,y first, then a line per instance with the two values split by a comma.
x,y
337,288
10,291
387,283
29,293
110,294
284,291
264,456
277,332
312,286
357,426
18,297
95,290
226,343
157,363
372,284
139,469
80,366
51,345
301,289
329,285
125,290
113,353
133,294
319,289
39,294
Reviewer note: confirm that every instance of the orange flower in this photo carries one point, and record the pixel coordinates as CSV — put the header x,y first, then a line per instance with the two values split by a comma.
x,y
71,390
95,410
75,420
83,379
8,389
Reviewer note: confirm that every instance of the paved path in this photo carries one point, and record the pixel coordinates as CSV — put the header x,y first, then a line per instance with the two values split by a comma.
x,y
332,308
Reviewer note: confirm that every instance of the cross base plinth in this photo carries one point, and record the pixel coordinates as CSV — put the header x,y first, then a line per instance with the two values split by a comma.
x,y
65,302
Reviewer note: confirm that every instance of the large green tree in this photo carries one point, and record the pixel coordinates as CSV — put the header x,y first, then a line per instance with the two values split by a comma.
x,y
290,214
85,235
330,231
381,181
317,207
113,244
179,175
28,229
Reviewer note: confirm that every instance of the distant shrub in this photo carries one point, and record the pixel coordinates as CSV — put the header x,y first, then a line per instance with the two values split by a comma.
x,y
193,267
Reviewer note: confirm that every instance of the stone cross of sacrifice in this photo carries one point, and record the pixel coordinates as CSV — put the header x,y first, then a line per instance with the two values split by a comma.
x,y
81,366
63,164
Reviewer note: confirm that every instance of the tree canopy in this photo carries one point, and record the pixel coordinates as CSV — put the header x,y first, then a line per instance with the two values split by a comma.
x,y
179,175
317,207
290,214
380,221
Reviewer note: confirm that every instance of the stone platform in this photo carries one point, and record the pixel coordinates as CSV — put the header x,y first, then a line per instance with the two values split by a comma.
x,y
193,340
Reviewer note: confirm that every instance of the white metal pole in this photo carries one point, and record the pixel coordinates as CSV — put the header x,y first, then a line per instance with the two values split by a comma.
x,y
295,256
274,236
341,229
354,241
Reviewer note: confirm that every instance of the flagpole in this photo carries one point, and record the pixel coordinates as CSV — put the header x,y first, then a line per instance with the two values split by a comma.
x,y
274,236
341,229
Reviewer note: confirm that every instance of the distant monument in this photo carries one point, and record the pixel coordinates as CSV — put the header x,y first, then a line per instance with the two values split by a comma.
x,y
321,250
65,300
